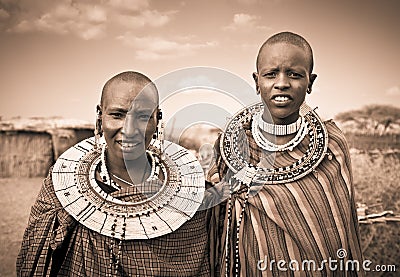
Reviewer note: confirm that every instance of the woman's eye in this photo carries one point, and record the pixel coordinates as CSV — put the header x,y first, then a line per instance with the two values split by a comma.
x,y
294,75
144,117
117,115
270,74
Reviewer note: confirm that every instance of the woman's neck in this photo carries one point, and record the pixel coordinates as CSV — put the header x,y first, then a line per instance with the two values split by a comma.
x,y
134,171
279,121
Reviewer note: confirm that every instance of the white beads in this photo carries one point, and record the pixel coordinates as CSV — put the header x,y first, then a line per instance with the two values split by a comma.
x,y
231,202
265,144
279,130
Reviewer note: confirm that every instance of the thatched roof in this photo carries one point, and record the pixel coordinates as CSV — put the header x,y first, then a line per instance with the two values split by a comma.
x,y
43,124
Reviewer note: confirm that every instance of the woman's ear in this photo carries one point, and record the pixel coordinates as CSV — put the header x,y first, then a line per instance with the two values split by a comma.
x,y
312,79
255,77
98,109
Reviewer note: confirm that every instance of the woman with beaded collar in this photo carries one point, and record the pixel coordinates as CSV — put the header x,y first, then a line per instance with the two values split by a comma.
x,y
124,203
291,208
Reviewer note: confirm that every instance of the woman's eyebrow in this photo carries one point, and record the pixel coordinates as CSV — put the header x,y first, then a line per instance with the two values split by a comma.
x,y
141,111
117,109
269,68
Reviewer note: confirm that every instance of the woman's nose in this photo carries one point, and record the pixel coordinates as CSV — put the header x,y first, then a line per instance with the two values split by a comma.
x,y
130,127
282,82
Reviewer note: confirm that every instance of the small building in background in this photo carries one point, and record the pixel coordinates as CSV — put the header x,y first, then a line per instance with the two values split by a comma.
x,y
200,139
30,146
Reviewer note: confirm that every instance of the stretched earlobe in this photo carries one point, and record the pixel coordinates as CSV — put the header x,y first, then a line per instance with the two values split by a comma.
x,y
98,110
159,134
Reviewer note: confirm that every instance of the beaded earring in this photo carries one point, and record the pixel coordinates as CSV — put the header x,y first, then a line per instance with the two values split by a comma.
x,y
98,130
159,134
105,177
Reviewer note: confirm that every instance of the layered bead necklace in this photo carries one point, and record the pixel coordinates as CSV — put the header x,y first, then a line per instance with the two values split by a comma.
x,y
299,126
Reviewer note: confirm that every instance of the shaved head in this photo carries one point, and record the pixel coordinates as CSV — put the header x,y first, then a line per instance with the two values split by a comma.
x,y
289,38
132,77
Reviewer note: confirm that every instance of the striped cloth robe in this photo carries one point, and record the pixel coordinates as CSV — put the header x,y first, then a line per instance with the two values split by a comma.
x,y
287,227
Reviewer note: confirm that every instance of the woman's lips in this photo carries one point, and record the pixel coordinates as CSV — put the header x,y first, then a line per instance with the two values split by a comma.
x,y
281,100
128,146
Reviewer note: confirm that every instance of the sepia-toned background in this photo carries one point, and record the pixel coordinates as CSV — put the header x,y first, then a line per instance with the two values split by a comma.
x,y
55,57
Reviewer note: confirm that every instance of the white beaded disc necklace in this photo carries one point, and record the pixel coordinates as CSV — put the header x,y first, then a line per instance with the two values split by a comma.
x,y
176,202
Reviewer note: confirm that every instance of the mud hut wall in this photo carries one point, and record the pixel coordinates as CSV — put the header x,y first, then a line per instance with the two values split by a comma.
x,y
65,138
25,154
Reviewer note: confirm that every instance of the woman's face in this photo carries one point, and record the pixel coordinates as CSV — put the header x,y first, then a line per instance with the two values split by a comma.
x,y
129,119
283,78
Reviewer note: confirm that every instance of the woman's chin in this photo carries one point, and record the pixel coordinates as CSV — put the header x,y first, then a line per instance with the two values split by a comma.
x,y
284,117
134,155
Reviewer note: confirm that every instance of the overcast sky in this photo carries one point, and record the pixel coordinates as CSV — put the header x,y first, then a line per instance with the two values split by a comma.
x,y
56,55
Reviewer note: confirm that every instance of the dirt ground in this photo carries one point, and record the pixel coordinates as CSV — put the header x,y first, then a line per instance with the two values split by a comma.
x,y
16,199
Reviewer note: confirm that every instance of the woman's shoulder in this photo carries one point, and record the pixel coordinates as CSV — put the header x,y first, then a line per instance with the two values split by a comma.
x,y
334,131
337,142
47,198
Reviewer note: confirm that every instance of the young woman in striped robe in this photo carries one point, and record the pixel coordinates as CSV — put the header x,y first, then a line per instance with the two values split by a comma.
x,y
291,210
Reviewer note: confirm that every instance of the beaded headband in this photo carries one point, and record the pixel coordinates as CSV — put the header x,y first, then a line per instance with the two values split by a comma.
x,y
80,195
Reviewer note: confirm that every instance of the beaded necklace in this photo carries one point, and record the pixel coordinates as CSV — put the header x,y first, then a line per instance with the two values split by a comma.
x,y
265,144
105,175
175,203
231,148
278,130
227,249
115,258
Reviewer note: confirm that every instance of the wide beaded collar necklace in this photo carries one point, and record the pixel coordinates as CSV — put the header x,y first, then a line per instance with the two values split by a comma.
x,y
164,212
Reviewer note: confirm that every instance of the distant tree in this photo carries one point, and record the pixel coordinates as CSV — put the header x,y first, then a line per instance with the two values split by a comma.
x,y
382,114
